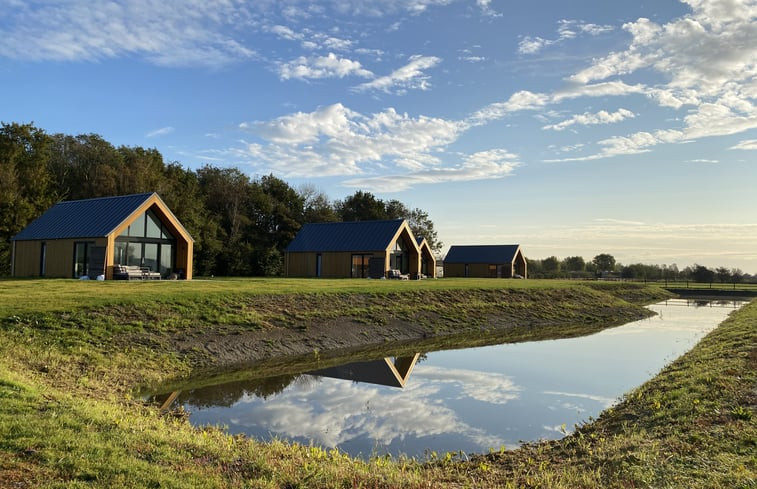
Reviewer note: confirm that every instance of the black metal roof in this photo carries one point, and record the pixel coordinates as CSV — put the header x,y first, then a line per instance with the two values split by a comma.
x,y
90,218
491,254
345,236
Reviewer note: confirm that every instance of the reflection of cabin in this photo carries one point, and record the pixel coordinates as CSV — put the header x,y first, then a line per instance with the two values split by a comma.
x,y
358,249
392,372
130,236
495,261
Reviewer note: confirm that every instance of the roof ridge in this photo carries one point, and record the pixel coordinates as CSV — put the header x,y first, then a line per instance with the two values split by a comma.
x,y
103,198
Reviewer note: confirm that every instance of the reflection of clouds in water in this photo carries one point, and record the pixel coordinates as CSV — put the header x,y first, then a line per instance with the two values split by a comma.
x,y
605,401
332,412
336,411
560,429
488,387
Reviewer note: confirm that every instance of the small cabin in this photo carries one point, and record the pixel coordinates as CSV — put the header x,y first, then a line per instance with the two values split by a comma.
x,y
128,236
492,261
358,249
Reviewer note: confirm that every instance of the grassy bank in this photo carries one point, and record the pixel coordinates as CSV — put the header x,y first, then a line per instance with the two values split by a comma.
x,y
68,366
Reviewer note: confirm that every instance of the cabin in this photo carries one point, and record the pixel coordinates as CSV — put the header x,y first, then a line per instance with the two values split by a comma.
x,y
493,261
358,249
428,262
128,236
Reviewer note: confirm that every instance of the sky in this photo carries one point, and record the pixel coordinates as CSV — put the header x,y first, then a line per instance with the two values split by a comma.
x,y
571,128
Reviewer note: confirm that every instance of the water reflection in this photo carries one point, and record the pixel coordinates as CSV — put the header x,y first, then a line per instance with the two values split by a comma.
x,y
469,400
392,372
388,371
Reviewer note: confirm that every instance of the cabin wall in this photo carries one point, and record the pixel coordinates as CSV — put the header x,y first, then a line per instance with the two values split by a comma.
x,y
333,264
59,257
480,270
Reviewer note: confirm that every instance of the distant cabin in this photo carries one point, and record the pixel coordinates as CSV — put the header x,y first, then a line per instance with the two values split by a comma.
x,y
494,261
104,236
359,249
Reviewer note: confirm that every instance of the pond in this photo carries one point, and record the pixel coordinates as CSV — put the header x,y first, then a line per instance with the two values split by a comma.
x,y
467,400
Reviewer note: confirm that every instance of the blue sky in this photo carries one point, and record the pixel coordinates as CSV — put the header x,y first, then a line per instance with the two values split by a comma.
x,y
572,128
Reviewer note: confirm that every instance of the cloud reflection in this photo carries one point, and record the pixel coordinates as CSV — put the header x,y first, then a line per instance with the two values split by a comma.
x,y
331,412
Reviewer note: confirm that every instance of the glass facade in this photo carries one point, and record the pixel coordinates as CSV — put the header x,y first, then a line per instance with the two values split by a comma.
x,y
146,243
399,259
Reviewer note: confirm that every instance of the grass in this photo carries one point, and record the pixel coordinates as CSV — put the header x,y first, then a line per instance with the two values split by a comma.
x,y
67,418
60,295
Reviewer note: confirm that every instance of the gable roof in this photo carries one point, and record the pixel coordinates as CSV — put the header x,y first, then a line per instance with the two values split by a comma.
x,y
89,218
491,254
345,236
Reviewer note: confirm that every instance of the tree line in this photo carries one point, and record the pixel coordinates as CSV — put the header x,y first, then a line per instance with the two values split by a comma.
x,y
241,225
604,265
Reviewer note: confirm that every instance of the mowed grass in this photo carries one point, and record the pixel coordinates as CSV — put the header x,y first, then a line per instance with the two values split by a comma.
x,y
67,418
57,295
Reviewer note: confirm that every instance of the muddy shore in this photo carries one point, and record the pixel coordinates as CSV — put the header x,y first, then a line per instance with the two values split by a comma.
x,y
329,324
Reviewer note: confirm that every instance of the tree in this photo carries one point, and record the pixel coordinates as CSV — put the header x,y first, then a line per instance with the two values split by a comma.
x,y
361,206
550,265
316,205
737,275
723,274
604,262
574,264
702,274
423,227
26,188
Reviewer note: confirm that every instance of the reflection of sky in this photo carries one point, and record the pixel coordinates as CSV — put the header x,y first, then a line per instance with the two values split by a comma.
x,y
475,399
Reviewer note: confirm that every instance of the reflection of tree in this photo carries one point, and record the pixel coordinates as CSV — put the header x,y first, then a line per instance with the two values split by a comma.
x,y
229,393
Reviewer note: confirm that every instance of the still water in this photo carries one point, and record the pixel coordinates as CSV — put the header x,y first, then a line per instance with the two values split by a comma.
x,y
467,400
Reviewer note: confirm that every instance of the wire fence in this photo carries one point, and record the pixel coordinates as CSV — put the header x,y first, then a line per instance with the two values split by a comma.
x,y
688,284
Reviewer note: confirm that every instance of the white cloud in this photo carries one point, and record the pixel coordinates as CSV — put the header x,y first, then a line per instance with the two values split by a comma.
x,y
532,45
330,66
285,32
478,166
335,140
747,144
200,34
588,119
409,77
567,29
160,132
709,62
472,59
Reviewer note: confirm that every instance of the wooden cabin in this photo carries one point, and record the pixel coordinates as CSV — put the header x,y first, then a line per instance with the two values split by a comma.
x,y
428,262
357,249
129,236
494,261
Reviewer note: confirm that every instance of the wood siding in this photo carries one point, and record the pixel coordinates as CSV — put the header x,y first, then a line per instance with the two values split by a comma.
x,y
59,257
333,265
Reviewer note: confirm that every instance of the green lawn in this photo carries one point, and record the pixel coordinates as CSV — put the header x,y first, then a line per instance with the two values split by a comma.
x,y
68,419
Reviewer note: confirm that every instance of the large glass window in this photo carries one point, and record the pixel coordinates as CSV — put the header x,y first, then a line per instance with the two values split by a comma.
x,y
153,226
146,243
399,259
166,259
151,256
